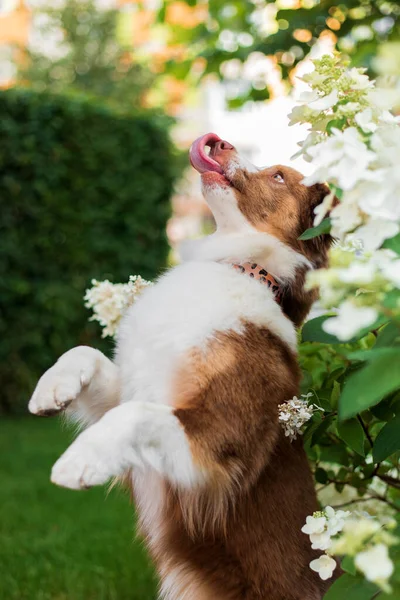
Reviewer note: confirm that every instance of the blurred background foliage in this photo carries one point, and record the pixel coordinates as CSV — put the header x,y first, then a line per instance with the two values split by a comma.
x,y
87,55
84,192
225,36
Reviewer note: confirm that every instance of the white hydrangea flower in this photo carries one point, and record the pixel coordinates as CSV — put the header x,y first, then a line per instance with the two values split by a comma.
x,y
375,564
294,413
324,566
375,232
364,119
324,102
349,109
345,217
314,78
360,160
364,537
109,301
378,197
358,273
314,524
322,209
391,270
308,96
335,520
322,526
360,81
356,532
320,541
349,320
342,159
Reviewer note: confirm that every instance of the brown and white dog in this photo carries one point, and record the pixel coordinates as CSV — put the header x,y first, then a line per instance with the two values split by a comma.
x,y
189,407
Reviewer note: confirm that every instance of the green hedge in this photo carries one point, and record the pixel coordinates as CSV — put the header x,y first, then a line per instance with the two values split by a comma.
x,y
84,193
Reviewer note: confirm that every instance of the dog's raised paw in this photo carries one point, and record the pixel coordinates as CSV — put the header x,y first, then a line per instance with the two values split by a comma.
x,y
54,392
78,469
63,383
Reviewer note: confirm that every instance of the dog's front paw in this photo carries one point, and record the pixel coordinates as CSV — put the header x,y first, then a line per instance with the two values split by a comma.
x,y
63,383
81,467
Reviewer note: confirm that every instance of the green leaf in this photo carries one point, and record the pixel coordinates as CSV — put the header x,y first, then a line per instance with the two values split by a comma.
x,y
312,331
394,595
353,434
392,299
393,244
323,227
335,454
348,565
335,394
324,403
388,440
336,124
385,410
321,476
349,587
321,429
388,335
312,426
371,384
306,381
368,355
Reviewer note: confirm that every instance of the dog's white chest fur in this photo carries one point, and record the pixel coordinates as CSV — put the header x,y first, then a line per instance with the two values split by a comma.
x,y
182,311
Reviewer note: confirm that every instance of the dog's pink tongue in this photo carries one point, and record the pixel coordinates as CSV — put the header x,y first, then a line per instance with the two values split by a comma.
x,y
198,157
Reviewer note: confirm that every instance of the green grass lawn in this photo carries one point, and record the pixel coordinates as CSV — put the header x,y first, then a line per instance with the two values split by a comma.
x,y
58,544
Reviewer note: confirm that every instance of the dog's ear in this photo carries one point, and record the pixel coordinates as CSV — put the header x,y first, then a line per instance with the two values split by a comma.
x,y
316,249
319,191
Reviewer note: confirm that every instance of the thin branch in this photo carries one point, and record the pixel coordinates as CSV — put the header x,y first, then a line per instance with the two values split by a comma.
x,y
337,481
365,428
391,481
371,497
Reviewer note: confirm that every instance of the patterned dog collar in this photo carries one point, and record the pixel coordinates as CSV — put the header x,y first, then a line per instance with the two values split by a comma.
x,y
256,271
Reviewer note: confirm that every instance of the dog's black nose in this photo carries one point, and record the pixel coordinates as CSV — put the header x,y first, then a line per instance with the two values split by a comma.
x,y
220,147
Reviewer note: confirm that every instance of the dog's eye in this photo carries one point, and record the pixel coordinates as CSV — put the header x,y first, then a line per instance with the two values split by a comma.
x,y
278,177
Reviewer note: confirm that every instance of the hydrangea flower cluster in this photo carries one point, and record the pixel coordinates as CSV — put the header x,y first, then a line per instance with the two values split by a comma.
x,y
365,277
109,301
353,144
364,539
294,413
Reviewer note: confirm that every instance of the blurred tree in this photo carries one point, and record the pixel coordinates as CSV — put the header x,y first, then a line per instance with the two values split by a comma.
x,y
234,32
78,47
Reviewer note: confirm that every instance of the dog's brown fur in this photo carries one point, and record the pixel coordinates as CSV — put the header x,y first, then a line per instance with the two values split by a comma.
x,y
239,537
285,211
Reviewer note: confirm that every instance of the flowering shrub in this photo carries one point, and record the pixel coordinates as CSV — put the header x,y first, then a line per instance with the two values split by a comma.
x,y
349,408
351,355
364,540
353,144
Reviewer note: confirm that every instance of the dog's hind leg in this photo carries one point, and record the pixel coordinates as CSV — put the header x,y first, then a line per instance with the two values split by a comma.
x,y
83,382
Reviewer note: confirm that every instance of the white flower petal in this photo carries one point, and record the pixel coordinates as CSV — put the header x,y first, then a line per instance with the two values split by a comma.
x,y
375,563
314,525
375,232
320,541
324,566
325,102
350,320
